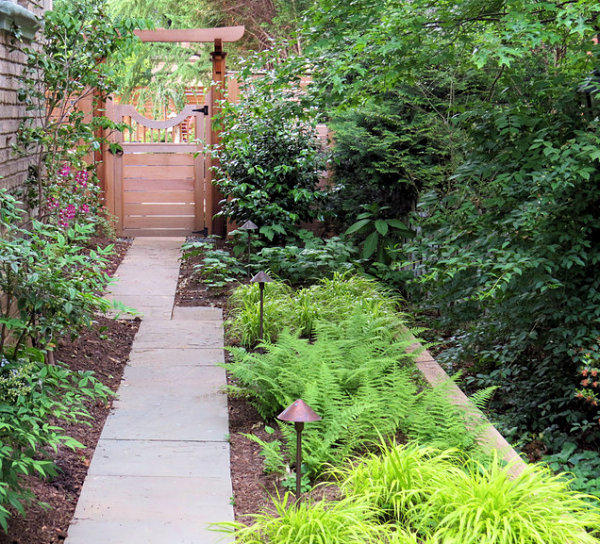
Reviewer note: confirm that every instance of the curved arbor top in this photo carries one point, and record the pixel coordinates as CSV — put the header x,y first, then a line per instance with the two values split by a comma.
x,y
192,35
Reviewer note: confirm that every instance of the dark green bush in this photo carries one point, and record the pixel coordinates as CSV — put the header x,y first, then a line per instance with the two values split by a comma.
x,y
270,162
384,152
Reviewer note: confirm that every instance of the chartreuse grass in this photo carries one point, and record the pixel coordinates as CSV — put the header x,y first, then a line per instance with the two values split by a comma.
x,y
328,300
347,521
408,494
439,496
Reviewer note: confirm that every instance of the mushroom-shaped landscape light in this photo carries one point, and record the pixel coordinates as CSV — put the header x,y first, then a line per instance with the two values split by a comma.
x,y
249,226
261,278
299,413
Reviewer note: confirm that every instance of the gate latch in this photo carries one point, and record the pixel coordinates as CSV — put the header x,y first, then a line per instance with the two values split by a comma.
x,y
203,109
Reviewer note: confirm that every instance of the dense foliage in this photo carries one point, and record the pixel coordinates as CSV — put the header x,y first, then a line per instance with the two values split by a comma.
x,y
355,371
507,247
269,161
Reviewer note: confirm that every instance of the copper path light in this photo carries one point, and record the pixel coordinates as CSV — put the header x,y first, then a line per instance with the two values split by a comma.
x,y
299,413
261,278
249,226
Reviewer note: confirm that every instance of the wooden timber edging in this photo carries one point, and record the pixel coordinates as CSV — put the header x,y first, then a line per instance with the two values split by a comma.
x,y
489,438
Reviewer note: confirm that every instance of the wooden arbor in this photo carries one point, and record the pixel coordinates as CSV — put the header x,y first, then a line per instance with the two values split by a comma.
x,y
217,36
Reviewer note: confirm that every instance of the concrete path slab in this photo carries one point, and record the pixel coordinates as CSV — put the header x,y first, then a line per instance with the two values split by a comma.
x,y
169,418
143,532
161,458
142,356
160,472
197,313
138,498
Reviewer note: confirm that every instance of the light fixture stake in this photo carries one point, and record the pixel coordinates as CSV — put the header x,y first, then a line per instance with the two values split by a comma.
x,y
299,413
261,278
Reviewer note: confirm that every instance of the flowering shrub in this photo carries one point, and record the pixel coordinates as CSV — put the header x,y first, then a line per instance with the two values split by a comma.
x,y
590,376
74,197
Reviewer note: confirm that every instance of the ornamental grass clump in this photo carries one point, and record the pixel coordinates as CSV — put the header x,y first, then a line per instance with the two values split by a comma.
x,y
328,300
440,496
348,521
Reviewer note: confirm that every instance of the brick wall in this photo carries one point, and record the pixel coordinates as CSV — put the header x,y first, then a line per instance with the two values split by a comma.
x,y
13,170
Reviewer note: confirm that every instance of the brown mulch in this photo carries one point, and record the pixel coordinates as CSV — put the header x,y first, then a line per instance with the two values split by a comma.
x,y
104,349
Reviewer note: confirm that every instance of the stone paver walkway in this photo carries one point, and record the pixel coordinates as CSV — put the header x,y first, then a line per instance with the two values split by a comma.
x,y
160,473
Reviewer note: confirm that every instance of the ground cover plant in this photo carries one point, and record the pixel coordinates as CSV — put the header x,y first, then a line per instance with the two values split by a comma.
x,y
347,356
302,260
329,300
409,494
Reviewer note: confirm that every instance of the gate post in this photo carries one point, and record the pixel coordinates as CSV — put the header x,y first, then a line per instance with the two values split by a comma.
x,y
216,226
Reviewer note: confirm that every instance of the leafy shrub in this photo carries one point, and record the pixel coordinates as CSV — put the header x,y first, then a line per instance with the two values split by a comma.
x,y
56,81
32,395
310,260
49,283
269,161
218,268
379,236
384,152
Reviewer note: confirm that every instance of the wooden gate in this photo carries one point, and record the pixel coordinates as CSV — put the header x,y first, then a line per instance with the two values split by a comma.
x,y
160,174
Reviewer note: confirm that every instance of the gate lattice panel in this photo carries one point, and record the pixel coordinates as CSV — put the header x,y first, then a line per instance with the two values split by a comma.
x,y
160,177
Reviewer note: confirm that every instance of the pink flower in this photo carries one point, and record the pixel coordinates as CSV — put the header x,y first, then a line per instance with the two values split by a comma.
x,y
81,177
65,170
84,208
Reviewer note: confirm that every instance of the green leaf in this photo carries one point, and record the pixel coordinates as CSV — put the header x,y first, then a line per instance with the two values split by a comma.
x,y
382,226
370,245
357,226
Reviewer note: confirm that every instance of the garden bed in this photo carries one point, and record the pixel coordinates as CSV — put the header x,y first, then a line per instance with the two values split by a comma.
x,y
105,351
339,347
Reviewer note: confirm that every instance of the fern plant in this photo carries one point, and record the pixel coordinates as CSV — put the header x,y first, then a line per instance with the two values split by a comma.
x,y
358,376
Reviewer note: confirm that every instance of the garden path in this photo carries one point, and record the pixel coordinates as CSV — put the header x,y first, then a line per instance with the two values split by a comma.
x,y
160,472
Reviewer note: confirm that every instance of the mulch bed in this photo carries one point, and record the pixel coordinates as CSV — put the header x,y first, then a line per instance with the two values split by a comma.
x,y
105,350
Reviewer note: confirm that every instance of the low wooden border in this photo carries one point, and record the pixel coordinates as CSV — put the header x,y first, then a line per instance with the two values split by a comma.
x,y
489,438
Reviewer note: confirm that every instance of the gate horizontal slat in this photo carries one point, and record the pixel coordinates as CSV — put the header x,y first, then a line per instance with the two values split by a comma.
x,y
161,209
167,197
170,172
160,147
160,222
157,159
159,185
